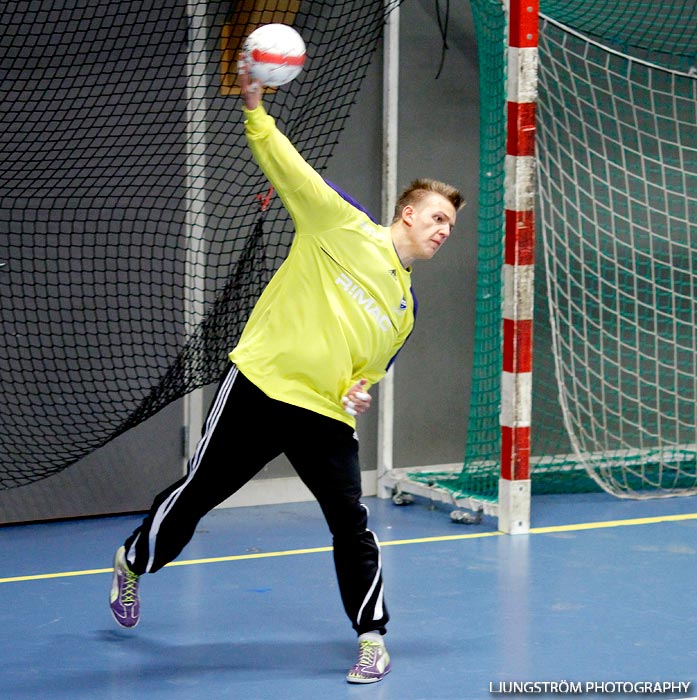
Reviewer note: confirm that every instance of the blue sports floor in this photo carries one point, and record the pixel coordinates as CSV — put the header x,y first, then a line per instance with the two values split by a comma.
x,y
602,590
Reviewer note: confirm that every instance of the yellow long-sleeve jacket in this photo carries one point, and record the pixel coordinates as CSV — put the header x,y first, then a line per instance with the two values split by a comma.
x,y
340,306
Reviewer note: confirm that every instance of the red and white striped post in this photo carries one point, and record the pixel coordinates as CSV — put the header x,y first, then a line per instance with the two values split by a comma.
x,y
516,377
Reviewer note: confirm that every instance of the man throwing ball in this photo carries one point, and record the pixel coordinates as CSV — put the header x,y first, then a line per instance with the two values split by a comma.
x,y
325,329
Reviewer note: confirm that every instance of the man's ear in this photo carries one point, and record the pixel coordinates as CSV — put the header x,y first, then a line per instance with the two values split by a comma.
x,y
408,214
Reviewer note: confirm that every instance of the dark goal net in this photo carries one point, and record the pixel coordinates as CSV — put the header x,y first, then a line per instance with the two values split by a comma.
x,y
135,231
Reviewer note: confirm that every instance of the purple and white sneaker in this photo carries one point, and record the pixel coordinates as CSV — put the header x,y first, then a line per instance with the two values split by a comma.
x,y
373,663
123,598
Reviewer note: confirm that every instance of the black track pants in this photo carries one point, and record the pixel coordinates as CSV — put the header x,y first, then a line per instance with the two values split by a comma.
x,y
244,430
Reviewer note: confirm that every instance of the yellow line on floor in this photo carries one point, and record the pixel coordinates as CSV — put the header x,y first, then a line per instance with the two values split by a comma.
x,y
614,523
577,527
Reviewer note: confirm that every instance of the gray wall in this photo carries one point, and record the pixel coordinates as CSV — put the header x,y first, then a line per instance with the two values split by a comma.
x,y
439,125
121,477
438,138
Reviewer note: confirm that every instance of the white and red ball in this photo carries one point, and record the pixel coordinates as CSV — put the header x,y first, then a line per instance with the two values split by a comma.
x,y
275,54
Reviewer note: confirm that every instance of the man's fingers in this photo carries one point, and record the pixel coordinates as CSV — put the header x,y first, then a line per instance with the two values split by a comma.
x,y
356,400
349,406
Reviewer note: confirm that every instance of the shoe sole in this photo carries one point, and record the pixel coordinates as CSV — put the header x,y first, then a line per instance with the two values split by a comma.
x,y
364,681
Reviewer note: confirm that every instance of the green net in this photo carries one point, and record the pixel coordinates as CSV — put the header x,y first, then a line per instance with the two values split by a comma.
x,y
132,240
618,170
615,351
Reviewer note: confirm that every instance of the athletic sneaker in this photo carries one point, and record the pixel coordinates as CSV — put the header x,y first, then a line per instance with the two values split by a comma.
x,y
373,663
123,599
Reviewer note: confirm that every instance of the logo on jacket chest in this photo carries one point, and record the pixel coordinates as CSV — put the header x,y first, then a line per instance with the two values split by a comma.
x,y
364,300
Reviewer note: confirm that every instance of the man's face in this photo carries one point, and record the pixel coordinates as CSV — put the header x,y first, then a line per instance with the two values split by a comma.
x,y
431,222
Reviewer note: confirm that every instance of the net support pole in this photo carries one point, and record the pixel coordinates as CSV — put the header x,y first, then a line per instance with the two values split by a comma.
x,y
194,274
519,187
390,135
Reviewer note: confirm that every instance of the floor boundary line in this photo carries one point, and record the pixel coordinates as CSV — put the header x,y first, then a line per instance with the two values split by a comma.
x,y
552,529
